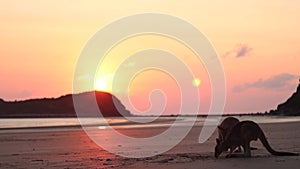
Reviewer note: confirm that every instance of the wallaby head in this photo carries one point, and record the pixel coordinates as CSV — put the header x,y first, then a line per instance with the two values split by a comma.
x,y
222,133
220,147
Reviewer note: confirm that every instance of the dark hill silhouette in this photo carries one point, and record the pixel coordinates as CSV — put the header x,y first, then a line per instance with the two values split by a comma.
x,y
63,106
291,107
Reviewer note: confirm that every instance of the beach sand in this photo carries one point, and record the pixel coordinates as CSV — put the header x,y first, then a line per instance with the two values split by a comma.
x,y
74,149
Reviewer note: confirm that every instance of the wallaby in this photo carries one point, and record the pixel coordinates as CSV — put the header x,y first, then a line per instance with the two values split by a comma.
x,y
224,128
241,135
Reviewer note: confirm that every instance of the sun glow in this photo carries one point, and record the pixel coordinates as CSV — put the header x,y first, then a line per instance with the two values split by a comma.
x,y
101,85
103,82
196,82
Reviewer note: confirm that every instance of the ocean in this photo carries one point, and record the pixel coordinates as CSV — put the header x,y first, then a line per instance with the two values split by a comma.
x,y
38,124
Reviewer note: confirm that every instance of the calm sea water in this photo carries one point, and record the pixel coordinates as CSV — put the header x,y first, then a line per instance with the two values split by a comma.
x,y
38,123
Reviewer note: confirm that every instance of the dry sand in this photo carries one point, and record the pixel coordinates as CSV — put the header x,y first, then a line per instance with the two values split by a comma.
x,y
74,149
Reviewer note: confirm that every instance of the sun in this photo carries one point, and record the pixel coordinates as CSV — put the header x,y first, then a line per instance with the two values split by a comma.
x,y
100,85
103,82
196,82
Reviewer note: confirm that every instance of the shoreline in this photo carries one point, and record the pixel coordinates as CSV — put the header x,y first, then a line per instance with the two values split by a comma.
x,y
124,123
74,149
186,115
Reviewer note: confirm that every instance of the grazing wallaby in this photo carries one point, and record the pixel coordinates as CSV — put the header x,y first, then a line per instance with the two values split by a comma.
x,y
226,125
241,135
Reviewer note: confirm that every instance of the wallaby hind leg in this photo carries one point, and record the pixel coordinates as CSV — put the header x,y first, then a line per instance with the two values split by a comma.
x,y
247,151
238,150
231,149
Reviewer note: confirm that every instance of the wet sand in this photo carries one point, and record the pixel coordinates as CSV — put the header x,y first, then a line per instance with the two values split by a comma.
x,y
74,149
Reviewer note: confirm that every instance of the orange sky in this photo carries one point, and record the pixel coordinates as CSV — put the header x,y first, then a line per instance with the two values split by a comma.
x,y
258,43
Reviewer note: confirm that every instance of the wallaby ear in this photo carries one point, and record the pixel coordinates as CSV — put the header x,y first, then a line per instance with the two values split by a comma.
x,y
221,128
218,141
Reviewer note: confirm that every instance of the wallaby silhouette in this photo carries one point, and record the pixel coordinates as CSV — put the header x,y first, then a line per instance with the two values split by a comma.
x,y
241,135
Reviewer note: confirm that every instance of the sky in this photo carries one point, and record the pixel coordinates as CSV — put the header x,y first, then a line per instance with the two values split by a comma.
x,y
257,42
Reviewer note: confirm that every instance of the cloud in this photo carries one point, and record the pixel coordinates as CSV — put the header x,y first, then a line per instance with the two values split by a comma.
x,y
23,94
84,77
129,64
14,95
240,50
281,81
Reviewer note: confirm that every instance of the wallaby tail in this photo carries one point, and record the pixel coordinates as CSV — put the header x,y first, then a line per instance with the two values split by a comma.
x,y
265,142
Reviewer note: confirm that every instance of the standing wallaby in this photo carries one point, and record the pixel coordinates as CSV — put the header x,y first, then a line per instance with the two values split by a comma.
x,y
241,135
